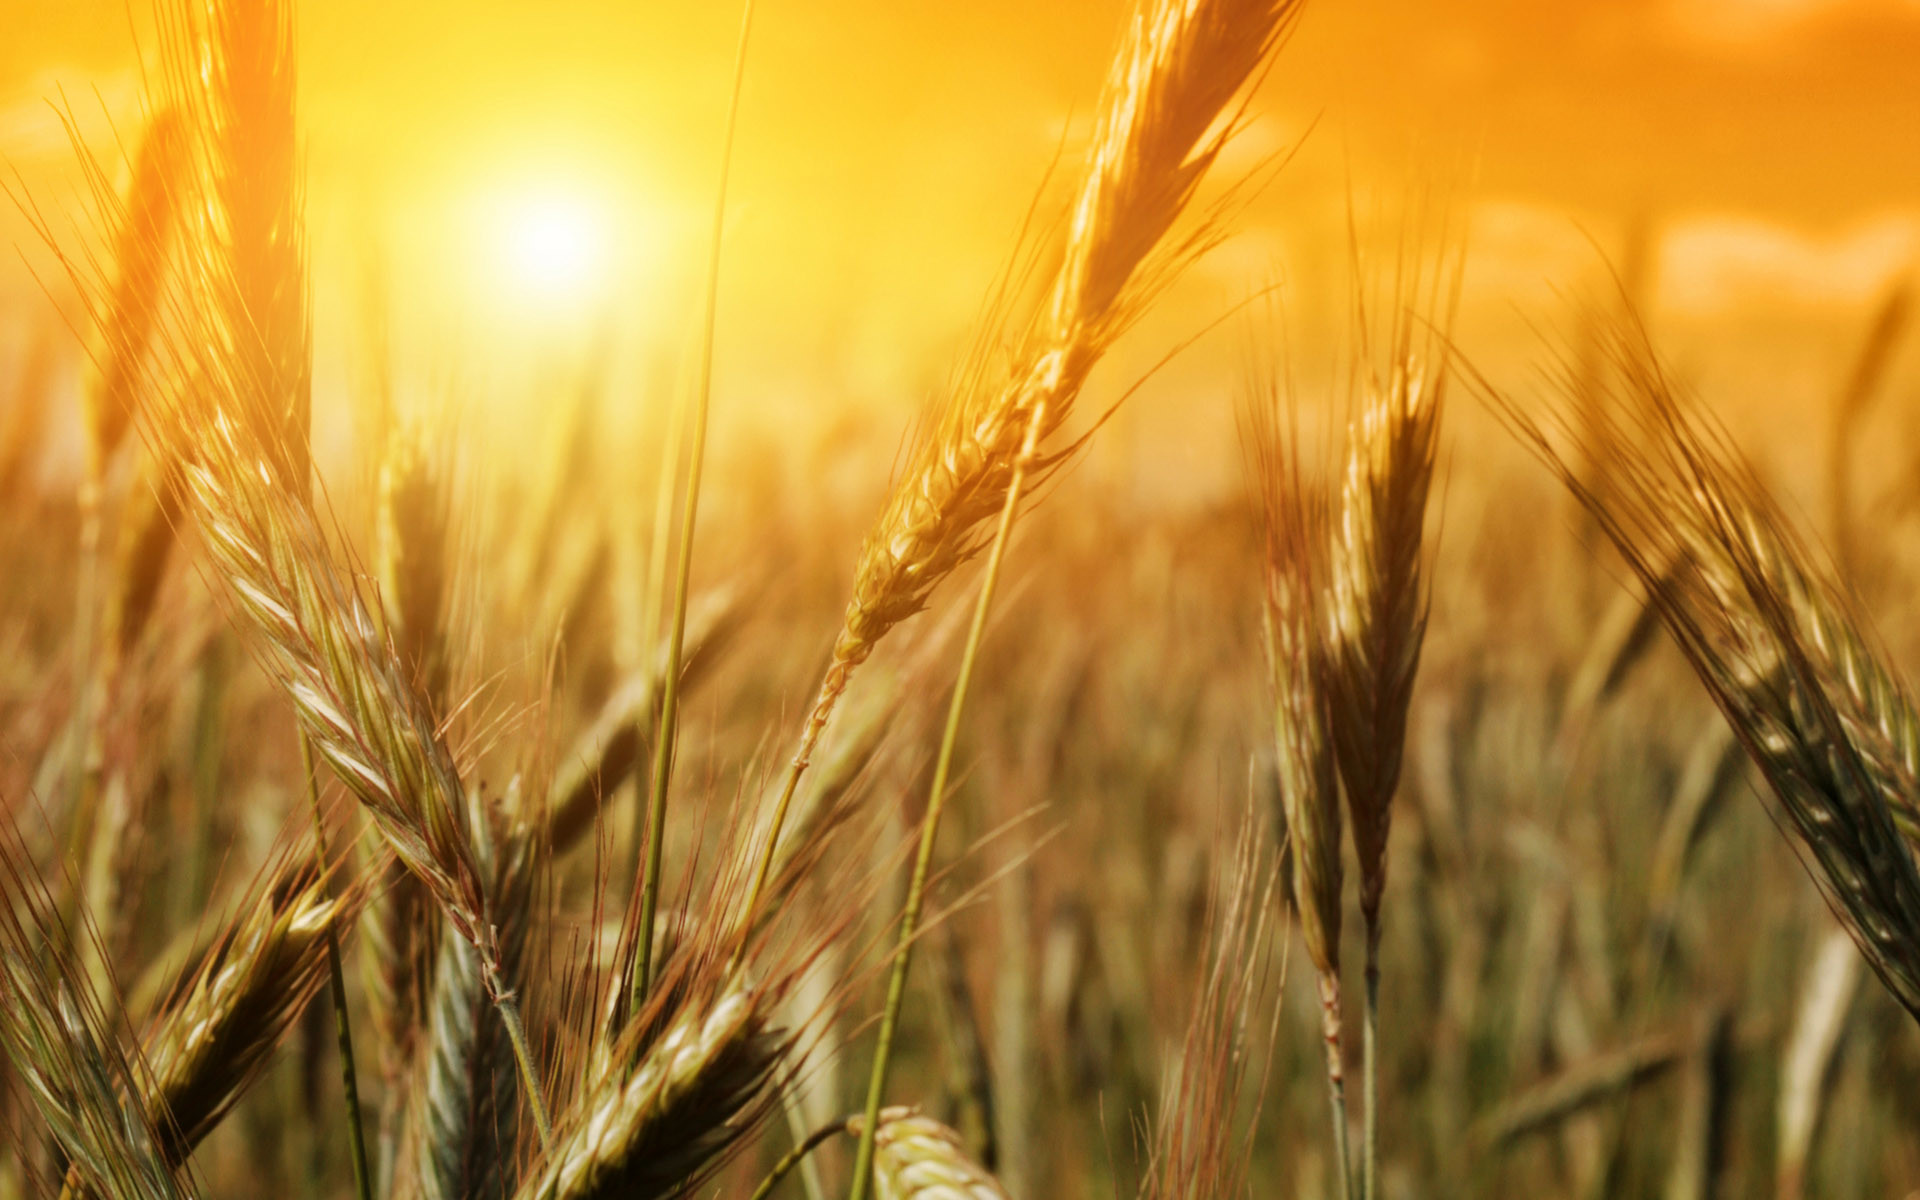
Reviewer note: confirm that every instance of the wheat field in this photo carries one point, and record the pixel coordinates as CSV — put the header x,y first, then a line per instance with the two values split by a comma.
x,y
1285,681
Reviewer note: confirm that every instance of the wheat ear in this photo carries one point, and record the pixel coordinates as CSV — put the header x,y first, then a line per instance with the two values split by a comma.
x,y
244,995
313,629
259,289
655,1130
463,1124
144,230
318,637
1378,622
1294,520
1774,641
231,66
1179,67
64,1053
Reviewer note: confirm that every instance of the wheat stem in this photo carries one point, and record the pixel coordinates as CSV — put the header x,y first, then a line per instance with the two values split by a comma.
x,y
795,1156
1370,1079
337,986
656,582
703,394
509,1009
930,824
1336,1079
764,867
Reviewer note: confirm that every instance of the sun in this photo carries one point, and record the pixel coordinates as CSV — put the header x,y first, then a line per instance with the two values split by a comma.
x,y
555,246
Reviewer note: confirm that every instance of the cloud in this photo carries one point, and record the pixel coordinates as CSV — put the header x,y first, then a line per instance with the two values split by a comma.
x,y
1721,263
1742,24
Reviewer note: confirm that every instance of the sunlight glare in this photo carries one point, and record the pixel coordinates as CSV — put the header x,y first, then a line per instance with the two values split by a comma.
x,y
555,246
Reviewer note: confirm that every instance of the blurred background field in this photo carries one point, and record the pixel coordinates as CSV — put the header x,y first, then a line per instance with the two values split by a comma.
x,y
1606,974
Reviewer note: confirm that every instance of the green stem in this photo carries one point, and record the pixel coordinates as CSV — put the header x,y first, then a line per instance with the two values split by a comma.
x,y
930,824
790,1105
337,986
86,734
793,1158
654,598
670,695
509,1008
764,867
1370,1081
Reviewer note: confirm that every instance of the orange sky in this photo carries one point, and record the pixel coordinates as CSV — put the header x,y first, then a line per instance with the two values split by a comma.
x,y
887,148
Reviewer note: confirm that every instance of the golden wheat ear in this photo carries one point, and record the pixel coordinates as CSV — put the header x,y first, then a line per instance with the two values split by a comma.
x,y
463,1123
657,1129
1808,692
65,1054
1294,517
1379,609
415,556
248,988
1177,73
227,1015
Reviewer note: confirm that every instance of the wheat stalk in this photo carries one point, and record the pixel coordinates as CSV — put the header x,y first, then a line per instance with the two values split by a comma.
x,y
1179,66
664,742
